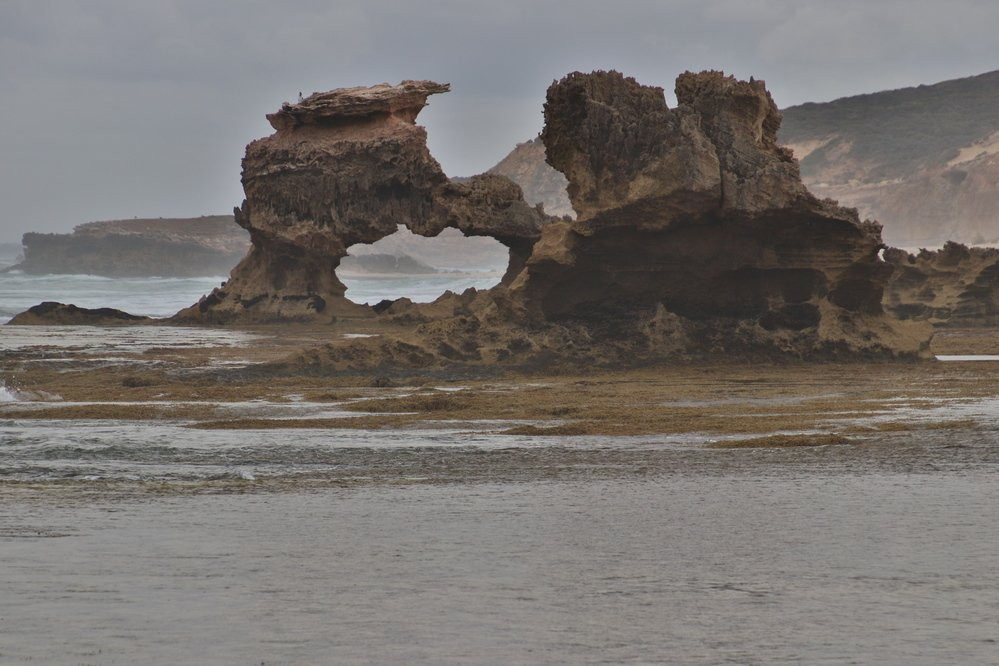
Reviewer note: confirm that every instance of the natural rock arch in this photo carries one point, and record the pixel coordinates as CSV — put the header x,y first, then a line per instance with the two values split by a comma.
x,y
421,268
345,167
694,234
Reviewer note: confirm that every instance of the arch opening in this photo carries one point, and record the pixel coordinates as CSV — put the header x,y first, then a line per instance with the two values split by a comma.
x,y
407,265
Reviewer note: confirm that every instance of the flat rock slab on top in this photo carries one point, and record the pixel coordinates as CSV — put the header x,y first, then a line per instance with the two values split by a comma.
x,y
405,99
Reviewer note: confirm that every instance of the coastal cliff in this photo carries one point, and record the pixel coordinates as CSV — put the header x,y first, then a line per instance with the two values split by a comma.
x,y
540,182
183,247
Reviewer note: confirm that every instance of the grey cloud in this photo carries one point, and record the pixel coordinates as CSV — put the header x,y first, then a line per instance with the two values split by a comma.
x,y
118,108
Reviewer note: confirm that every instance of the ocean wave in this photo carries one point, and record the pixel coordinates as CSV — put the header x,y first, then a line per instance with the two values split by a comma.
x,y
87,277
8,395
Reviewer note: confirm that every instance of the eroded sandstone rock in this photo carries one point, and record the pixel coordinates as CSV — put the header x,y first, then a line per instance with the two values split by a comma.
x,y
697,212
346,167
694,237
955,286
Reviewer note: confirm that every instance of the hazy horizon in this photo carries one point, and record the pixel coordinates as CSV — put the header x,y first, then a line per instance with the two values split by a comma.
x,y
116,110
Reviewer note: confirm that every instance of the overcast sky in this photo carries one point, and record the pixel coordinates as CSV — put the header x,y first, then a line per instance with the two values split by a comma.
x,y
123,108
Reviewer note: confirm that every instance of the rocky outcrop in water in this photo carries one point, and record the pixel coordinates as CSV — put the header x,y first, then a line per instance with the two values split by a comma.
x,y
346,167
176,247
53,313
956,286
697,214
694,236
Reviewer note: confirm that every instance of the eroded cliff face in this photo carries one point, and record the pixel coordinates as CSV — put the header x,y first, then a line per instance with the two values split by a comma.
x,y
170,247
346,167
955,286
696,215
694,237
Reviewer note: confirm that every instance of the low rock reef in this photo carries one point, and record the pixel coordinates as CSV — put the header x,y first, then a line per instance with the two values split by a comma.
x,y
50,312
694,236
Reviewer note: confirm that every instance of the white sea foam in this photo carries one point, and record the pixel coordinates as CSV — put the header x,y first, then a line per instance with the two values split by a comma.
x,y
6,395
162,297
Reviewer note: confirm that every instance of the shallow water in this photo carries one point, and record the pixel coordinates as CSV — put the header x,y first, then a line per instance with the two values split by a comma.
x,y
116,340
153,543
162,297
152,297
150,542
737,561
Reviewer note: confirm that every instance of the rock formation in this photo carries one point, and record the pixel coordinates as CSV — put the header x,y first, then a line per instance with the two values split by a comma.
x,y
956,286
346,167
697,213
51,313
175,247
694,236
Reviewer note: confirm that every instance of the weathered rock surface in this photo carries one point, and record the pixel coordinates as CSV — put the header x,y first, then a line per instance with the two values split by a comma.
x,y
346,167
956,286
50,312
694,236
696,213
175,247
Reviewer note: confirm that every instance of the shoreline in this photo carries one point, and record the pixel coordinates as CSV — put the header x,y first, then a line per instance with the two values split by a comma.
x,y
218,387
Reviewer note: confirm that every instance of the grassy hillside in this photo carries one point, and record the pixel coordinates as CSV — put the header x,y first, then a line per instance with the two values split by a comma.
x,y
900,131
